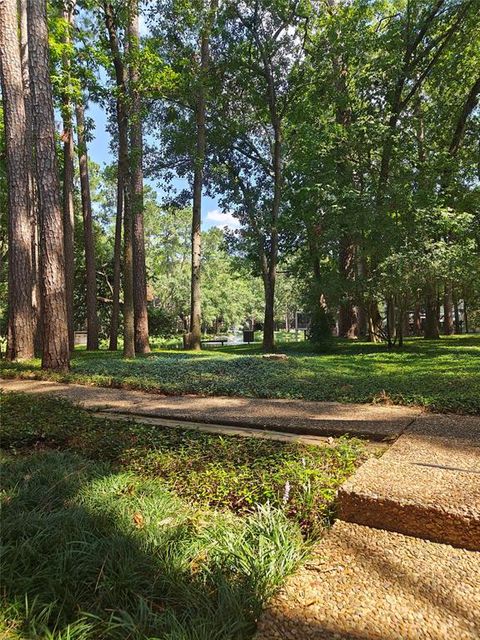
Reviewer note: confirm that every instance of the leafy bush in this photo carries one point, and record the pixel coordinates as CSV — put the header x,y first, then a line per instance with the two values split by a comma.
x,y
161,323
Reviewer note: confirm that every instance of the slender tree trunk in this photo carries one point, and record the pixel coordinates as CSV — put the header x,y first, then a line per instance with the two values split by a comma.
x,y
448,310
195,303
374,322
456,314
392,317
194,338
405,324
68,174
269,324
128,306
362,308
417,322
56,350
89,241
465,316
347,317
117,260
123,159
136,188
402,322
20,310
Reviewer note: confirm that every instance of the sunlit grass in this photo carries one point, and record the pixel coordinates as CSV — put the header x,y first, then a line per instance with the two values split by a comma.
x,y
441,375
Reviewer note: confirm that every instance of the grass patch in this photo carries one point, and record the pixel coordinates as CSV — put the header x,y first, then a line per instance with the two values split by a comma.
x,y
441,375
120,530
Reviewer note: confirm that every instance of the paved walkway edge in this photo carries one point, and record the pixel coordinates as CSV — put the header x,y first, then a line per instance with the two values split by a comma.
x,y
328,419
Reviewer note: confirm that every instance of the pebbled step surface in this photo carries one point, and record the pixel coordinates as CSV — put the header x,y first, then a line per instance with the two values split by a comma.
x,y
368,584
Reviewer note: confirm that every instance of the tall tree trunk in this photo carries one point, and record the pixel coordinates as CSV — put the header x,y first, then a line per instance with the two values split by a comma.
x,y
194,337
123,159
89,241
448,310
431,314
456,313
128,306
33,201
269,292
347,317
20,310
405,323
193,340
417,322
56,350
136,187
374,322
391,319
362,308
269,323
68,173
117,262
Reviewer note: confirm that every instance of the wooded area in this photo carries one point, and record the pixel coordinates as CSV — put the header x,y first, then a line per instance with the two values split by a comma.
x,y
342,137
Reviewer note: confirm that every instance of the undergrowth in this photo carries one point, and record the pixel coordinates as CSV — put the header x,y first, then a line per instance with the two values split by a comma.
x,y
116,530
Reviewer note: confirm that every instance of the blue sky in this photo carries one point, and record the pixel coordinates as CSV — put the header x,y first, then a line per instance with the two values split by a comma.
x,y
99,151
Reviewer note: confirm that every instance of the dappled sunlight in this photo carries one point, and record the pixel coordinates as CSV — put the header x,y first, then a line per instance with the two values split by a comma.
x,y
442,375
122,557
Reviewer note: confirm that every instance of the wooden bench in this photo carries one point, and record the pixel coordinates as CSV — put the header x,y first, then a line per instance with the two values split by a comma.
x,y
221,341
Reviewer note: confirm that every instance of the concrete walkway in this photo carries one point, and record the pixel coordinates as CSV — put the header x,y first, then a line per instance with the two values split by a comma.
x,y
380,423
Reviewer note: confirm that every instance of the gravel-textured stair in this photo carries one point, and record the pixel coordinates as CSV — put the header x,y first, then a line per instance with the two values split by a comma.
x,y
427,485
427,502
366,584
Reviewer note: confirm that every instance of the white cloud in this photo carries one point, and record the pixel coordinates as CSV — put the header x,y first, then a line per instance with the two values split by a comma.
x,y
221,219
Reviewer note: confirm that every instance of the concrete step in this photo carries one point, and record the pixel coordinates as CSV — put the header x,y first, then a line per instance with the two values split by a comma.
x,y
430,501
366,584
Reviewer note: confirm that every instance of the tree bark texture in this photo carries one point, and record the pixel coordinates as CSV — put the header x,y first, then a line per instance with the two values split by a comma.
x,y
195,335
89,240
269,323
117,262
136,188
56,351
68,173
456,313
448,327
123,159
33,200
20,310
347,315
431,331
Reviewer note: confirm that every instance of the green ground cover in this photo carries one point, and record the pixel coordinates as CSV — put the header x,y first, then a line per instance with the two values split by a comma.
x,y
441,375
120,530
